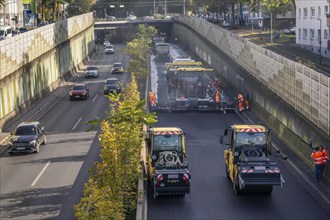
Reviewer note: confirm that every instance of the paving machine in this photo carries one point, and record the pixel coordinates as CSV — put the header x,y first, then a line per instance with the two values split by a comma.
x,y
189,88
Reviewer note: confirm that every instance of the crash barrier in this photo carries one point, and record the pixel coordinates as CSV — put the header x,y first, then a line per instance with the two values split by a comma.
x,y
302,88
294,98
32,62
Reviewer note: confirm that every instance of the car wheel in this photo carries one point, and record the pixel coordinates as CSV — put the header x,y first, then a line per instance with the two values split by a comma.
x,y
45,140
37,148
10,153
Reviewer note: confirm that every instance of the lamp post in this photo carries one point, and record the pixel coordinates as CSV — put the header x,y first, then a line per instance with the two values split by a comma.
x,y
320,40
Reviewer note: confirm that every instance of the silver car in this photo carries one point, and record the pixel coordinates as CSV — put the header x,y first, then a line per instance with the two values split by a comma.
x,y
91,71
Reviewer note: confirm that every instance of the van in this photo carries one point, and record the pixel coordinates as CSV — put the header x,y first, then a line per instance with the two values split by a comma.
x,y
5,32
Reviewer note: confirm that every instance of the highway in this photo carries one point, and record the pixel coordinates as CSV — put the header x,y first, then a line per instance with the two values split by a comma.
x,y
47,184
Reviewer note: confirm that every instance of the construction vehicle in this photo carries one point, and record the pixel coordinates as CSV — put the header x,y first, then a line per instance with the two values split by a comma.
x,y
162,51
189,88
247,159
167,169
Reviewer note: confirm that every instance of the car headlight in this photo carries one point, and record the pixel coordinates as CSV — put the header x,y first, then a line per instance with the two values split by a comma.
x,y
33,143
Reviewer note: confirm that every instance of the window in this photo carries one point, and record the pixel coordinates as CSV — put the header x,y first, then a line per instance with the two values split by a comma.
x,y
325,35
319,35
299,13
319,11
299,33
312,12
326,9
305,12
312,34
305,33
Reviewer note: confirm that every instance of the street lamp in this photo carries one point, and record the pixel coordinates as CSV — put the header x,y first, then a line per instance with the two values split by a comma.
x,y
320,42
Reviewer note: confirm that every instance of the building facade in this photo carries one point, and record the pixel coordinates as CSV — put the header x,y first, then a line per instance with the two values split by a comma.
x,y
313,26
11,10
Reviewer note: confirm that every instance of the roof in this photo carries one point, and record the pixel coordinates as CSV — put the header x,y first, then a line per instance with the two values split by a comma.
x,y
249,128
200,69
190,63
29,123
166,130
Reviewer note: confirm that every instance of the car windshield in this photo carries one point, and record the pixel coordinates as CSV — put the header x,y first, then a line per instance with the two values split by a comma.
x,y
109,47
118,65
250,138
167,143
25,130
78,88
91,68
111,82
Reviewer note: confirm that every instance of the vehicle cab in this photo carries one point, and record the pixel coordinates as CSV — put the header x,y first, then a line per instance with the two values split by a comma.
x,y
161,139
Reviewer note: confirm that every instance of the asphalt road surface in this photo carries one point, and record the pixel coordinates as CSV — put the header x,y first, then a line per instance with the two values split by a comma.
x,y
212,195
47,185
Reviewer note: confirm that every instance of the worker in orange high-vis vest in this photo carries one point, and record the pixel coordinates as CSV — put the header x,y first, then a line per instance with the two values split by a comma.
x,y
325,157
152,98
217,96
317,156
240,102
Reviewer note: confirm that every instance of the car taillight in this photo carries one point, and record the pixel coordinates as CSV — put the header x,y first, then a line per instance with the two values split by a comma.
x,y
159,179
186,178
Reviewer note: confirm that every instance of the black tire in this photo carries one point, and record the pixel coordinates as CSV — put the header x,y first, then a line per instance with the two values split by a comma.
x,y
227,173
37,148
45,140
10,153
236,188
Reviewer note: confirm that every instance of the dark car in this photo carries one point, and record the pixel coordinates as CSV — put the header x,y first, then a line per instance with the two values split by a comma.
x,y
43,23
15,32
79,91
23,29
112,85
117,68
27,138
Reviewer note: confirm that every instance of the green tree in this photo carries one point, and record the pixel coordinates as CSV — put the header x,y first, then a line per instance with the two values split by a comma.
x,y
111,191
138,50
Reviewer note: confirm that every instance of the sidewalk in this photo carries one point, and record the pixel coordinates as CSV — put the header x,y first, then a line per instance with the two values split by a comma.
x,y
286,47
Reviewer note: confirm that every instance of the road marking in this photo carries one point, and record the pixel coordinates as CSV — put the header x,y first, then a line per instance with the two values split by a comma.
x,y
74,127
95,98
42,171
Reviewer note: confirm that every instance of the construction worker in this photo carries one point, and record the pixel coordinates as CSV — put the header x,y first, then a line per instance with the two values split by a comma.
x,y
152,98
325,157
247,99
240,98
217,96
317,156
216,83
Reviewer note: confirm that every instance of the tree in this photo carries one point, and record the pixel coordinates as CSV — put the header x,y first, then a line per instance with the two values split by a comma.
x,y
2,3
110,192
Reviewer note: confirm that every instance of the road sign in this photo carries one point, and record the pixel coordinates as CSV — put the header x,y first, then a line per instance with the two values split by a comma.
x,y
260,23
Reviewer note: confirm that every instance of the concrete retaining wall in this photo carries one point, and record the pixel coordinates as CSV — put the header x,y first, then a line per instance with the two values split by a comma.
x,y
32,63
303,89
272,108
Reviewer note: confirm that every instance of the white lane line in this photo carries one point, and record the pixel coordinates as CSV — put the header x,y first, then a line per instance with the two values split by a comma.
x,y
42,171
74,127
95,98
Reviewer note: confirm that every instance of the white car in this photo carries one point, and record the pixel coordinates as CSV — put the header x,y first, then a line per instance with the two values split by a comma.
x,y
91,71
131,18
106,42
109,49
